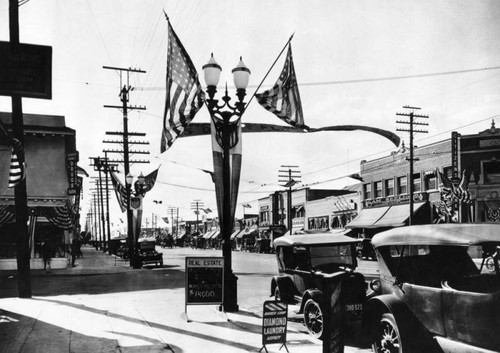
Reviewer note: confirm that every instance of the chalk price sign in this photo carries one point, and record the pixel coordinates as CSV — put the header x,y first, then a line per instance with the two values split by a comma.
x,y
204,280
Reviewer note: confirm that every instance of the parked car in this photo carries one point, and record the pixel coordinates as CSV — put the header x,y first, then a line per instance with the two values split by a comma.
x,y
433,296
148,253
365,249
312,263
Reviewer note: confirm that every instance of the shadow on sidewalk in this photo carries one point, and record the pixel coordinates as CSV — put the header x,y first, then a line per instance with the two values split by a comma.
x,y
139,280
19,333
159,326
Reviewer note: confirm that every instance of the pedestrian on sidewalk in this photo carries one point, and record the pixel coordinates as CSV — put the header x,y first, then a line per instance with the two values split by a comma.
x,y
47,250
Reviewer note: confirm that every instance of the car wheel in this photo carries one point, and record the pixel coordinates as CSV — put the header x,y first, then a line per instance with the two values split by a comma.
x,y
277,295
387,338
490,264
313,318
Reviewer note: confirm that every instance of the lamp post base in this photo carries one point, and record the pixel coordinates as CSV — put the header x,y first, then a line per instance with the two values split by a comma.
x,y
230,304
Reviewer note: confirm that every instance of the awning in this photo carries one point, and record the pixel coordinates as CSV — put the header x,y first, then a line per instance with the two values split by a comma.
x,y
248,231
368,217
208,234
235,233
397,215
215,234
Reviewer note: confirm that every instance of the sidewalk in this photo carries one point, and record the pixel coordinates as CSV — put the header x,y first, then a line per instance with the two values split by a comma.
x,y
146,314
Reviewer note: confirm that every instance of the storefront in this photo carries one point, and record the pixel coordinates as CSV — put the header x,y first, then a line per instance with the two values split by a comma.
x,y
53,189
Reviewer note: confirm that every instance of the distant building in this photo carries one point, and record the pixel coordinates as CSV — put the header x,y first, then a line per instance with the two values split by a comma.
x,y
449,163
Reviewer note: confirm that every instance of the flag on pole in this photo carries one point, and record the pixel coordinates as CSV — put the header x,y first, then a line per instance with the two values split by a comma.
x,y
184,96
120,191
17,171
247,205
283,99
149,182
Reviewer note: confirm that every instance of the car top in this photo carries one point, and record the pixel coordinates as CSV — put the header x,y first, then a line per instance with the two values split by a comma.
x,y
457,234
315,237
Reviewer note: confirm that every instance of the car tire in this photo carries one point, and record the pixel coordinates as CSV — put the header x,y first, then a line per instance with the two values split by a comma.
x,y
313,318
490,264
277,294
387,338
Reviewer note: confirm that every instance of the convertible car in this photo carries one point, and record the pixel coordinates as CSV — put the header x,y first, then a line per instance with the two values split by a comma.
x,y
434,294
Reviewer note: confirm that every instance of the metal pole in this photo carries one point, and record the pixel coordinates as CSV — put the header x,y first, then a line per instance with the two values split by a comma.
x,y
289,203
20,193
106,172
96,229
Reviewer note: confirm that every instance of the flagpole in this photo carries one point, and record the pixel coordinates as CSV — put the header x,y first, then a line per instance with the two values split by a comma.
x,y
274,63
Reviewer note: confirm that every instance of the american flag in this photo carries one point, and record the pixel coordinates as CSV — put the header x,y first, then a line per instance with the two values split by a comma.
x,y
283,99
120,191
184,95
16,173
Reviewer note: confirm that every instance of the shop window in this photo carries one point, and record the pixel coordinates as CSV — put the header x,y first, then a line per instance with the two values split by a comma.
x,y
264,216
378,189
402,185
430,182
416,182
389,187
368,191
448,172
491,170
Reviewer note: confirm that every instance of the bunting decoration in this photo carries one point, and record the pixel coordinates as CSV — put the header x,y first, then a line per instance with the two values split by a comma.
x,y
17,169
120,191
283,99
61,216
184,96
234,161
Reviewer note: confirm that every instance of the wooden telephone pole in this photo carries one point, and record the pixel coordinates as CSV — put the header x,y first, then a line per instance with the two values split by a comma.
x,y
124,97
411,122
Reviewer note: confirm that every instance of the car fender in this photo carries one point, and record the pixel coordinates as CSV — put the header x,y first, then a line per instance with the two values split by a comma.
x,y
412,332
314,294
285,286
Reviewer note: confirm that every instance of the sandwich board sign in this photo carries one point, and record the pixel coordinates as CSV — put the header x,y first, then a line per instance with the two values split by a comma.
x,y
204,281
274,323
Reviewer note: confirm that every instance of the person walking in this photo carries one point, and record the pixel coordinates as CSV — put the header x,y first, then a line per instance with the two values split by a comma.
x,y
47,254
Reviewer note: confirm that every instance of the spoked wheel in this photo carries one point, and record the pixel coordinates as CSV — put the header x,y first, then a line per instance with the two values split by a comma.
x,y
490,264
387,338
313,318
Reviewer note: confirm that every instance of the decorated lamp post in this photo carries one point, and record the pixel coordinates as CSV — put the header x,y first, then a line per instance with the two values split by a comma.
x,y
226,130
133,226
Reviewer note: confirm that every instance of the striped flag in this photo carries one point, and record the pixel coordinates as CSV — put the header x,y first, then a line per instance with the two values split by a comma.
x,y
120,191
16,173
283,99
184,95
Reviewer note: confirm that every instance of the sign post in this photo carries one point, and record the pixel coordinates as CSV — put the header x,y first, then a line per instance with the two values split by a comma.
x,y
204,281
274,323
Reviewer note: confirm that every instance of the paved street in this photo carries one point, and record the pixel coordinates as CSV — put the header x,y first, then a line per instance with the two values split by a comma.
x,y
104,306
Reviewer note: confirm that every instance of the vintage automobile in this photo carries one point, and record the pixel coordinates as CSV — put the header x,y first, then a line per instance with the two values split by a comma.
x,y
312,264
147,252
433,296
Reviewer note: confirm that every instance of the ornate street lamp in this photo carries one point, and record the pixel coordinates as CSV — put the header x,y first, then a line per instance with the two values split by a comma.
x,y
221,115
133,239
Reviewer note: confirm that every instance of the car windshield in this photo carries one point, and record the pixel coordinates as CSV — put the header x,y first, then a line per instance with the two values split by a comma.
x,y
331,254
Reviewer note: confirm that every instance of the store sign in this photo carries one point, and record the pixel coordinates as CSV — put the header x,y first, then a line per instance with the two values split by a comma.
x,y
396,200
71,165
26,70
274,323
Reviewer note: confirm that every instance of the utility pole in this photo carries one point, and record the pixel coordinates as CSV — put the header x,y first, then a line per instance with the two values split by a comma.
x,y
290,177
20,193
411,122
124,97
195,206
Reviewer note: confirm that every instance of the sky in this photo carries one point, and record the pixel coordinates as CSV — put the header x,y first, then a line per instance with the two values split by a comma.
x,y
357,62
